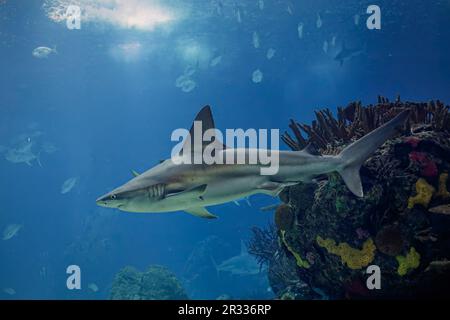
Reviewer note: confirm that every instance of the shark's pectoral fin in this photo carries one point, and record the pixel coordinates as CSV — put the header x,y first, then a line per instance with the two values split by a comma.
x,y
201,212
196,192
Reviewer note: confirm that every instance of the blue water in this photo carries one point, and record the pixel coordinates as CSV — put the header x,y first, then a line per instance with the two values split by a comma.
x,y
107,101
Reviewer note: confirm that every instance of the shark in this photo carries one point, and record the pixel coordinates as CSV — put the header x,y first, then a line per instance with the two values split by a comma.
x,y
243,264
171,186
346,54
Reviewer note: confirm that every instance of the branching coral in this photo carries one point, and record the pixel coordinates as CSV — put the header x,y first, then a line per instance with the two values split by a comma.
x,y
263,244
329,134
300,262
354,258
424,193
409,262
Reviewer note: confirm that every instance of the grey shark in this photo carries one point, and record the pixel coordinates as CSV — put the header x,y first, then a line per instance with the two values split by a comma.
x,y
171,186
243,264
346,54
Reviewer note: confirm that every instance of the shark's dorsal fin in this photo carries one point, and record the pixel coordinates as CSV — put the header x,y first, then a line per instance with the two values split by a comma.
x,y
207,122
201,212
311,149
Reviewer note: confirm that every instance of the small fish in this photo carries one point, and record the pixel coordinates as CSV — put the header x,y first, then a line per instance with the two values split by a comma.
x,y
219,8
93,287
289,9
43,52
325,46
319,21
300,30
257,76
214,62
11,231
9,291
255,39
68,185
43,272
442,209
180,80
188,85
261,4
356,19
333,41
190,71
238,16
270,53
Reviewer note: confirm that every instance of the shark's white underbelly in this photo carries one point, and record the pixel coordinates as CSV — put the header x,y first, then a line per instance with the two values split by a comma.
x,y
217,192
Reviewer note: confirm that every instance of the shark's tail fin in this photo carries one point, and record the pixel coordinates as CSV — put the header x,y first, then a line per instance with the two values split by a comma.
x,y
354,155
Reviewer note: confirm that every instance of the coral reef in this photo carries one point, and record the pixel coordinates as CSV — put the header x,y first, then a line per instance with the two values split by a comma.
x,y
390,240
424,194
409,262
443,191
284,217
157,283
263,244
428,166
329,134
395,215
300,262
354,258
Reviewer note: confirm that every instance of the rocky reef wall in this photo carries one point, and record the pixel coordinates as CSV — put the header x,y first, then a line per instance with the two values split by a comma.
x,y
324,237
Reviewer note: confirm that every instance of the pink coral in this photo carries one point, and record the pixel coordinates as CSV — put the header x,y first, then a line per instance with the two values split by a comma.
x,y
412,141
429,168
356,289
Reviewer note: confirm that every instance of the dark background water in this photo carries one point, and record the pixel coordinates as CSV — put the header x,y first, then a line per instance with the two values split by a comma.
x,y
109,110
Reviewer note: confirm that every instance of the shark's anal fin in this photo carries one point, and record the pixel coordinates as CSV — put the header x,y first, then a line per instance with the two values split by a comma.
x,y
201,212
274,188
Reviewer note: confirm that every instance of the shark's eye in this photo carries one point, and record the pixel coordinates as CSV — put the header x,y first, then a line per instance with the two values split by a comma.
x,y
113,197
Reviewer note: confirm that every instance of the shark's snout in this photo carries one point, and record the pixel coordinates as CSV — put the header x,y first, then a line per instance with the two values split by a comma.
x,y
108,200
102,201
